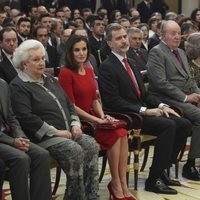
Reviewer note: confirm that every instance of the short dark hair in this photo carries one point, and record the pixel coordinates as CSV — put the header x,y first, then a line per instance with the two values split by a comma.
x,y
23,19
6,29
93,19
37,28
69,60
42,16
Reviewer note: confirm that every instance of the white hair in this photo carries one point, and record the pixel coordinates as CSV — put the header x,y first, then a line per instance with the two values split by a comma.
x,y
22,53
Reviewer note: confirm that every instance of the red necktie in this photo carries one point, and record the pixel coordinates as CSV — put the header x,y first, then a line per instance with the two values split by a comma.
x,y
128,69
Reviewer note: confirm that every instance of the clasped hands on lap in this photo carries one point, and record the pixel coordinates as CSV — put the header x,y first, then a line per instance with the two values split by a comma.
x,y
75,133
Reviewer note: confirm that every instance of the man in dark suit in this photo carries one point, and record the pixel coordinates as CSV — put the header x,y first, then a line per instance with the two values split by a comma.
x,y
23,29
135,51
96,39
145,10
51,54
9,42
21,156
122,90
171,81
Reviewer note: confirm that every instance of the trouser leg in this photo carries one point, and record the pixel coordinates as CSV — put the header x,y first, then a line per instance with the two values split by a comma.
x,y
91,151
165,130
70,156
40,182
18,163
2,173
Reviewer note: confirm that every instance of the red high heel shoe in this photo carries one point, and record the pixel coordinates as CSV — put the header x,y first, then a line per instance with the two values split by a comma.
x,y
130,198
112,193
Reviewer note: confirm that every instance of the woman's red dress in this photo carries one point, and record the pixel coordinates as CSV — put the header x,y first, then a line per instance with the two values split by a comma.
x,y
81,90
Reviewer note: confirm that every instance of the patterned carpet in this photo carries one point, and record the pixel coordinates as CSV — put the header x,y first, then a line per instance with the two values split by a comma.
x,y
189,191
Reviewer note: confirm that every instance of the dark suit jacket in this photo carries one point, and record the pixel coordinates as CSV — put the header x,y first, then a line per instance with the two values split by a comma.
x,y
140,62
117,90
144,11
53,57
94,64
7,71
154,40
8,116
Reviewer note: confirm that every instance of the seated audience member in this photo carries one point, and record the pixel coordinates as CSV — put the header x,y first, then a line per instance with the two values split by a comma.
x,y
122,90
186,29
153,25
2,174
9,42
170,79
21,156
51,55
61,48
135,21
135,51
56,29
192,48
50,120
125,23
145,39
195,16
171,16
96,39
155,38
78,82
23,29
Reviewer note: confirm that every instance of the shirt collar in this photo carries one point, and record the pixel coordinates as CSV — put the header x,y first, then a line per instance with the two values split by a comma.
x,y
26,78
121,58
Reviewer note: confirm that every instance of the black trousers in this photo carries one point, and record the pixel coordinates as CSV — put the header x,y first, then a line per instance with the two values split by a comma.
x,y
2,173
171,135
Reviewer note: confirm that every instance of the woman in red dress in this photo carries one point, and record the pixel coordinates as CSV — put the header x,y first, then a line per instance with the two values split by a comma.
x,y
78,82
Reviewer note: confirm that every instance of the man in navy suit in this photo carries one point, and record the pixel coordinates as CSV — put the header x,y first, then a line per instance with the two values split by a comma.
x,y
122,90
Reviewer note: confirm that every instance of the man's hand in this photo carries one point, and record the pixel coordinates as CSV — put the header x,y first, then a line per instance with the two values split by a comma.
x,y
64,134
21,144
154,112
193,98
166,111
76,132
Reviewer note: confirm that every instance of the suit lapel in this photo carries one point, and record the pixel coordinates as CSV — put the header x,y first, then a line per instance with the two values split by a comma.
x,y
173,59
122,71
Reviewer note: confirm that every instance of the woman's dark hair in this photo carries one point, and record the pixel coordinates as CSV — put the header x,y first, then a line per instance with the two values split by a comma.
x,y
69,58
194,13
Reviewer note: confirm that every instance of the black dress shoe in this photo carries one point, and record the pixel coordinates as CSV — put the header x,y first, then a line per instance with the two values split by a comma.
x,y
168,181
191,173
158,186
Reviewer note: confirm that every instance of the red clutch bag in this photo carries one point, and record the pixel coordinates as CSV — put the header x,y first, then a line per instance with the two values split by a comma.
x,y
112,125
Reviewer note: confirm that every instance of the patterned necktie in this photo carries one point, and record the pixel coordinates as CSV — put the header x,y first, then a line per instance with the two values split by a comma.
x,y
128,69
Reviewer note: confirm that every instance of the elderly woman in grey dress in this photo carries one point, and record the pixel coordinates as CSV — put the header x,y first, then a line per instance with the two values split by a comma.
x,y
192,48
48,116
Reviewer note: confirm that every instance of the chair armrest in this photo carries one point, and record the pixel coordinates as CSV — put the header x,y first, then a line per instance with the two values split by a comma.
x,y
88,128
137,120
121,116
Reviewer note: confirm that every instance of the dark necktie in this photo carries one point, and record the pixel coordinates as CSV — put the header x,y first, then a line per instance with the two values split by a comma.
x,y
128,69
178,57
